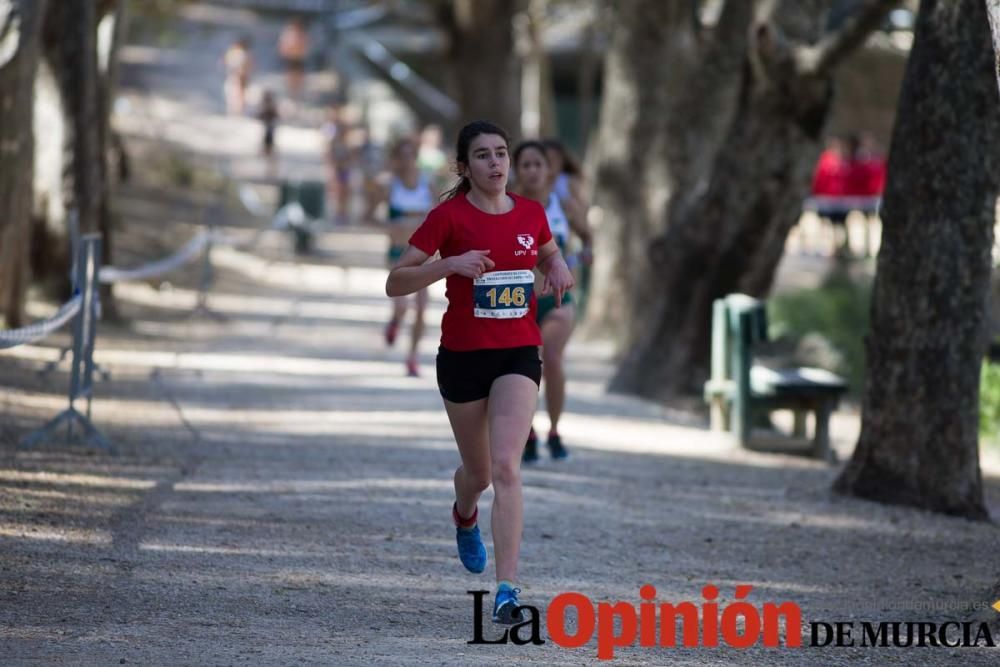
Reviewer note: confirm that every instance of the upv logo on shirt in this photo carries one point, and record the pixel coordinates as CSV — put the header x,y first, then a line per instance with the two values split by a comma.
x,y
526,240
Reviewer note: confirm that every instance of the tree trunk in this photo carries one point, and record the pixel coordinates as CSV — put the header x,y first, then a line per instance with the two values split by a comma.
x,y
20,31
919,433
485,76
727,232
713,239
993,9
538,111
110,33
70,178
669,89
588,71
71,35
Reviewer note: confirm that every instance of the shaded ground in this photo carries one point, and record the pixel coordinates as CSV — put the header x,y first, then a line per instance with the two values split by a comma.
x,y
283,491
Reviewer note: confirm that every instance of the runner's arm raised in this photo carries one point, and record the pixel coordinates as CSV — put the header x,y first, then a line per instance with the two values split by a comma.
x,y
411,274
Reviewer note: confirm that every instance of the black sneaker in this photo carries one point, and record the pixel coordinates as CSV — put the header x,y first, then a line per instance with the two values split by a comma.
x,y
556,448
530,448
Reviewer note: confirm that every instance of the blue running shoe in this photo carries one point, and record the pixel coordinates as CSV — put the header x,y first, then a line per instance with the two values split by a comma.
x,y
471,550
506,608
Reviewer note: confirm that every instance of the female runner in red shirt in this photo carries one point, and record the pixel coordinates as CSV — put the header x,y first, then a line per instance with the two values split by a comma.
x,y
488,367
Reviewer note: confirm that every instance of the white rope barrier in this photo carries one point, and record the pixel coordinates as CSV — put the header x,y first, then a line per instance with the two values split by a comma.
x,y
39,330
252,202
110,274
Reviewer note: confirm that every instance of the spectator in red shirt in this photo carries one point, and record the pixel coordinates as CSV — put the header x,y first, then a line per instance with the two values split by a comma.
x,y
865,168
828,179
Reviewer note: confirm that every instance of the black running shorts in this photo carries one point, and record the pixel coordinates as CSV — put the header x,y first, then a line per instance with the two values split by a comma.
x,y
467,376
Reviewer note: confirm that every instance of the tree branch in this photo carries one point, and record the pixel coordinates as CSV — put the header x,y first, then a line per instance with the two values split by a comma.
x,y
696,24
10,32
993,10
833,48
734,21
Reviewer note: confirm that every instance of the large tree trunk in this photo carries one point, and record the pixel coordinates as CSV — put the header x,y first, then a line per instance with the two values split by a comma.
x,y
69,37
20,30
919,433
993,9
728,234
588,69
669,90
538,107
110,33
485,77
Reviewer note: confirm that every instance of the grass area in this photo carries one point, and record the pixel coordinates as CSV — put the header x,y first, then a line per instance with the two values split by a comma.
x,y
989,404
838,313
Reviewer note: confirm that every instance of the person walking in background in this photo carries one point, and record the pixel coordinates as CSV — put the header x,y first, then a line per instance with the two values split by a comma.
x,y
567,180
431,159
293,47
409,197
239,65
269,116
368,159
535,179
339,158
488,368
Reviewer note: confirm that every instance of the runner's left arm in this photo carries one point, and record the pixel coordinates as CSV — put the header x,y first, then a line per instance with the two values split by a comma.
x,y
558,277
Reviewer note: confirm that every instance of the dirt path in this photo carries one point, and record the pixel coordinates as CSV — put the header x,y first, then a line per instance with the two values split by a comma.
x,y
283,493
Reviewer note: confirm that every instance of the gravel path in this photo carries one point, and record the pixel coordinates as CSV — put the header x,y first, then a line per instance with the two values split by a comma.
x,y
282,496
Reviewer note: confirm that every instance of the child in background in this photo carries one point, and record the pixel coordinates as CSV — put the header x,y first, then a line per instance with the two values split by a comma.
x,y
268,115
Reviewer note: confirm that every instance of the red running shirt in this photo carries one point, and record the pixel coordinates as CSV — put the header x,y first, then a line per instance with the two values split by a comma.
x,y
499,311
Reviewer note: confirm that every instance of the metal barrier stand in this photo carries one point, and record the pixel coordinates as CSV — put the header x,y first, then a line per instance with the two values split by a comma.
x,y
207,279
84,334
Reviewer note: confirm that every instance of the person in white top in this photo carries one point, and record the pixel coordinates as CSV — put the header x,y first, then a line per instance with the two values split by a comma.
x,y
568,182
409,197
238,63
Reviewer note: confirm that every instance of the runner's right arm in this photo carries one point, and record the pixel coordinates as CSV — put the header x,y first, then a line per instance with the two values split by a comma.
x,y
411,274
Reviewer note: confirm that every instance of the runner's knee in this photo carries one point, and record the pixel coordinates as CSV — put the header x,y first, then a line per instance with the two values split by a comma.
x,y
551,360
478,479
506,473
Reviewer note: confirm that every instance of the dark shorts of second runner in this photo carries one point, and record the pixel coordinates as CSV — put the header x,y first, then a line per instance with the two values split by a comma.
x,y
468,376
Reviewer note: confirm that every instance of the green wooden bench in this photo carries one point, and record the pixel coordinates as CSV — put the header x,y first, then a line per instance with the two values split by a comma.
x,y
302,203
740,392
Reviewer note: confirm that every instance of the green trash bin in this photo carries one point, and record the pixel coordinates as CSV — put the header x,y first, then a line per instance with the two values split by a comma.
x,y
311,196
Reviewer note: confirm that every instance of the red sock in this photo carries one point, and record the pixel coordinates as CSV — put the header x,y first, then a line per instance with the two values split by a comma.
x,y
464,523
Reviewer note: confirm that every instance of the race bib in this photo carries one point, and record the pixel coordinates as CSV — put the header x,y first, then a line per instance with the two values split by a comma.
x,y
502,294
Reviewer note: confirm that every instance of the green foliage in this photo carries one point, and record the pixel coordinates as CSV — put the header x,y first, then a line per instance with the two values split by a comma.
x,y
152,22
156,9
838,311
989,402
180,171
